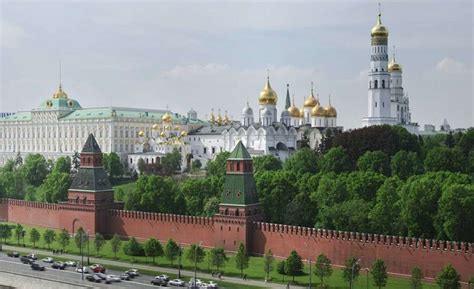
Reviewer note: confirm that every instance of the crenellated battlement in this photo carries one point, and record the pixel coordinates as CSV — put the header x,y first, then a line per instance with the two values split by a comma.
x,y
30,204
182,219
386,240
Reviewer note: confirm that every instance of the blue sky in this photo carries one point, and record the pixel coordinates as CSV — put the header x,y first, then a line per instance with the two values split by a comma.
x,y
215,54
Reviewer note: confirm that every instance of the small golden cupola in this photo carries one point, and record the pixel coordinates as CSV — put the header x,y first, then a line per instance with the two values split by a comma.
x,y
293,110
60,93
311,101
166,118
330,111
268,95
394,66
318,111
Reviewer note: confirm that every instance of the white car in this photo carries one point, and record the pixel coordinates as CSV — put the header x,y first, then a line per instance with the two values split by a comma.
x,y
212,285
197,283
48,260
133,272
163,277
114,278
84,270
176,282
71,263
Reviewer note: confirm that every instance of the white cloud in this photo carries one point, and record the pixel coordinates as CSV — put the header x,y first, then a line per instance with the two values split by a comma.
x,y
450,66
11,34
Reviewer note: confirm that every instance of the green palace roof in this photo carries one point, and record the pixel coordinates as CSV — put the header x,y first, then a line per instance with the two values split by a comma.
x,y
19,116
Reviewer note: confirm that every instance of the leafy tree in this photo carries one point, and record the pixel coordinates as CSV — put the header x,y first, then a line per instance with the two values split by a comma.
x,y
241,259
281,269
405,164
301,211
55,187
133,248
196,165
332,189
466,142
294,265
114,165
5,232
346,216
13,183
141,165
379,273
197,192
153,249
218,257
18,160
63,165
35,169
18,233
48,237
364,185
323,268
335,160
444,159
416,277
455,217
266,163
216,167
171,162
376,161
81,238
448,278
115,244
384,215
351,269
212,206
152,194
195,253
449,141
34,236
76,162
302,161
63,238
268,263
172,251
99,242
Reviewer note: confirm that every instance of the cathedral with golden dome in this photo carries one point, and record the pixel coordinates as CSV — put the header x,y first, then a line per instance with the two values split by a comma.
x,y
387,103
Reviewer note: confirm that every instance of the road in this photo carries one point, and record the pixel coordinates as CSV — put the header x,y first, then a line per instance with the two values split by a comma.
x,y
22,276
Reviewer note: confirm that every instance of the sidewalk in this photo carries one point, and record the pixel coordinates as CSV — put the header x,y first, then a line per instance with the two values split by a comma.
x,y
157,268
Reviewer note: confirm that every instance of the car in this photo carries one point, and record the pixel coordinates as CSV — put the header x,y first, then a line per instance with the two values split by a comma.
x,y
32,256
125,276
13,254
163,277
37,267
159,282
84,270
132,272
48,260
93,278
71,263
101,276
26,260
97,268
59,265
114,278
212,285
176,282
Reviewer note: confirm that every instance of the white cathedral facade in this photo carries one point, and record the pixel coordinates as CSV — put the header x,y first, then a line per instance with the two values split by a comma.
x,y
387,103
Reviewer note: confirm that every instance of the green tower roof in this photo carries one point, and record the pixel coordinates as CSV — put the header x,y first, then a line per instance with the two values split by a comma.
x,y
240,153
91,145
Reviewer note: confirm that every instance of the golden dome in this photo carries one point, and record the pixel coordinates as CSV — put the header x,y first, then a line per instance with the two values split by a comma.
x,y
219,119
184,133
318,110
155,126
166,117
394,66
379,30
162,134
311,101
141,133
302,112
227,120
330,111
268,95
293,110
212,119
60,93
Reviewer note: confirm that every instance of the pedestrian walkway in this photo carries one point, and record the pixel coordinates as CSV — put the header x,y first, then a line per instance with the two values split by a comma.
x,y
187,273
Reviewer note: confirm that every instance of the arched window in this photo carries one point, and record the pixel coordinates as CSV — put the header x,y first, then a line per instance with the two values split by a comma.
x,y
376,84
238,167
375,104
370,84
376,70
383,83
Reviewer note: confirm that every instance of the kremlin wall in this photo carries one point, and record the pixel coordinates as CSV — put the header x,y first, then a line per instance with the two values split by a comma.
x,y
239,220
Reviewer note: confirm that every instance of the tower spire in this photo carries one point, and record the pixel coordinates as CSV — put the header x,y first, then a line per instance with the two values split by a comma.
x,y
393,53
288,102
312,93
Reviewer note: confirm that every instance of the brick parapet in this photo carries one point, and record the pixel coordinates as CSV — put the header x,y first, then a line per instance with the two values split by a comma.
x,y
184,219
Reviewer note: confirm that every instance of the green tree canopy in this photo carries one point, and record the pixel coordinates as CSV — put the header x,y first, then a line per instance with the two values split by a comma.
x,y
133,248
416,277
266,163
115,244
34,236
195,253
302,161
335,160
384,215
35,169
55,187
268,260
99,242
323,268
281,269
445,159
62,165
218,257
63,238
351,269
448,278
216,167
18,233
405,164
113,165
242,259
172,251
48,237
294,265
153,249
171,162
376,161
81,238
379,273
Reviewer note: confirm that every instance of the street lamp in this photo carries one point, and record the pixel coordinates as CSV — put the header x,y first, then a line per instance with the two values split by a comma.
x,y
367,270
88,261
309,259
352,272
195,264
179,261
81,238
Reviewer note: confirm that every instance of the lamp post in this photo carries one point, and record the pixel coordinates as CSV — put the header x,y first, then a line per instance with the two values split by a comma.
x,y
352,272
82,256
367,270
179,261
88,261
309,259
195,264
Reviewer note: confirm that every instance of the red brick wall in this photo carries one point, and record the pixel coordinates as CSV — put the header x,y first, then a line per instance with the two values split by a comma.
x,y
143,225
400,254
33,213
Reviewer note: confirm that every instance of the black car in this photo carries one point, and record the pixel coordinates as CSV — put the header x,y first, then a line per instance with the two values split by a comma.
x,y
36,266
93,278
13,254
59,265
25,260
159,282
